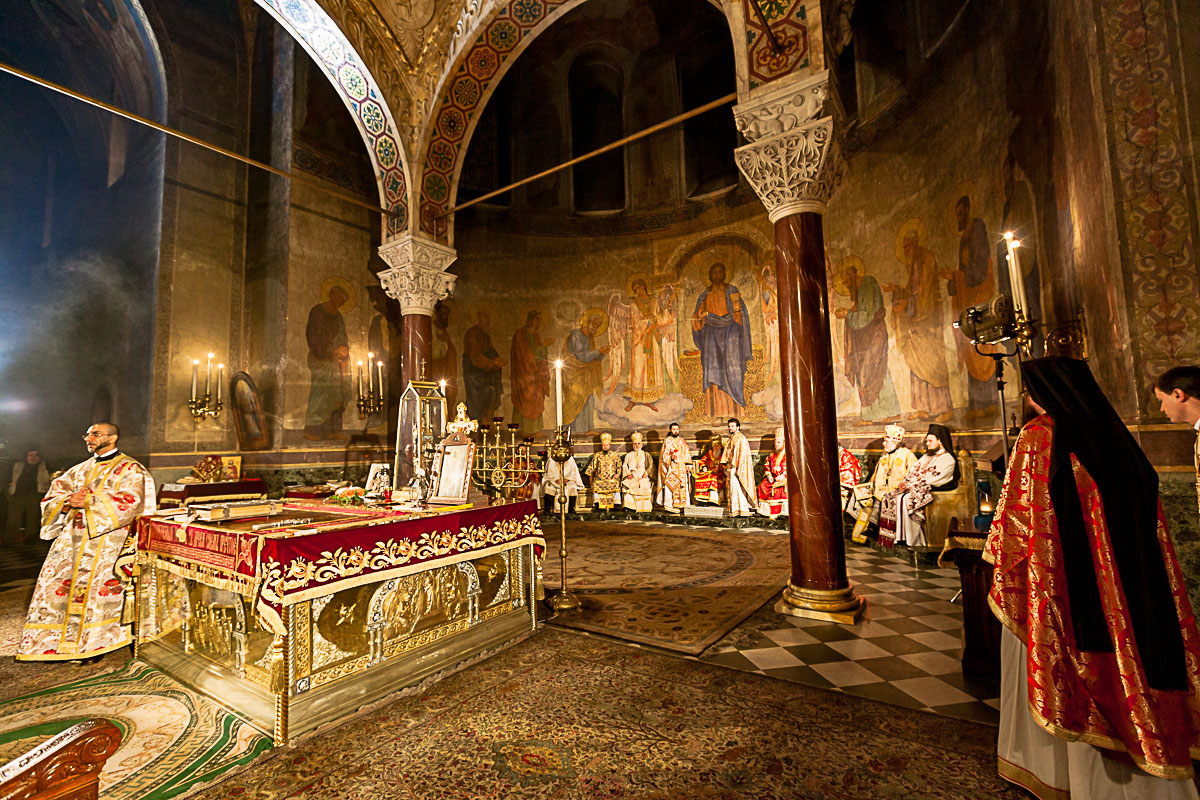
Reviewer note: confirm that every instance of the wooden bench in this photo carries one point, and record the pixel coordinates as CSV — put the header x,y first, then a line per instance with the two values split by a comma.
x,y
66,767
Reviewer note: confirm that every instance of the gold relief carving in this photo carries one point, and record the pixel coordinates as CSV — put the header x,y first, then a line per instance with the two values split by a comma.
x,y
425,637
325,652
343,619
494,578
339,564
210,631
302,639
423,598
340,671
691,375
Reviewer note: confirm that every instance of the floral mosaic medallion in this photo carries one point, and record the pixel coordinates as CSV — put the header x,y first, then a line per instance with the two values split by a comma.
x,y
531,762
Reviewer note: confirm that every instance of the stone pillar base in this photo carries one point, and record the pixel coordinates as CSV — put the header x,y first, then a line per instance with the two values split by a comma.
x,y
842,606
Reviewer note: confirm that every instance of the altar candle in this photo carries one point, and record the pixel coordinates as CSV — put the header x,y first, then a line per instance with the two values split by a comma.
x,y
208,376
379,367
1014,273
558,393
360,380
220,380
195,369
370,376
1022,300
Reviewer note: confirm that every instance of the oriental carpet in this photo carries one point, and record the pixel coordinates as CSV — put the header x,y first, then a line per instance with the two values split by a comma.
x,y
677,587
173,739
570,715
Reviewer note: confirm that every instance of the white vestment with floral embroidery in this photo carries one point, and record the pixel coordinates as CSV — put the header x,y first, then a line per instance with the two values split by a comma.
x,y
77,604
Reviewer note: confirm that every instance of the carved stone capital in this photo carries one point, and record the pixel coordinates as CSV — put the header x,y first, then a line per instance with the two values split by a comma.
x,y
779,109
416,275
793,160
795,171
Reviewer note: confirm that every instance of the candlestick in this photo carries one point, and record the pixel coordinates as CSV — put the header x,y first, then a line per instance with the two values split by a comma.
x,y
558,393
208,376
220,380
195,369
360,380
370,377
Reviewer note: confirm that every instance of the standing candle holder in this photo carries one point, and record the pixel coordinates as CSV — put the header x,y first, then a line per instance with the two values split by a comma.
x,y
561,451
372,401
502,467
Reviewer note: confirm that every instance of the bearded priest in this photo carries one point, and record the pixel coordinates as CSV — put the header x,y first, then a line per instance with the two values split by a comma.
x,y
78,608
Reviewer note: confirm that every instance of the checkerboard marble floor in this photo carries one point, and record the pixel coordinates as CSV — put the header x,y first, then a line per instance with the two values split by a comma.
x,y
906,650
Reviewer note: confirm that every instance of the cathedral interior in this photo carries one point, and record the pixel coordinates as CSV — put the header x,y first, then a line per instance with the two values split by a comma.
x,y
269,199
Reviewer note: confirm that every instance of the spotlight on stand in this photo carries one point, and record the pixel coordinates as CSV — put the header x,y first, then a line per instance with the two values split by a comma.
x,y
992,322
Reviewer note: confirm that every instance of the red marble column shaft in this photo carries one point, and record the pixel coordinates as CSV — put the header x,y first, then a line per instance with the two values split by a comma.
x,y
417,348
810,422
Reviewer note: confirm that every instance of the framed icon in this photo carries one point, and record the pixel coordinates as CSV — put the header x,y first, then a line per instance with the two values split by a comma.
x,y
450,481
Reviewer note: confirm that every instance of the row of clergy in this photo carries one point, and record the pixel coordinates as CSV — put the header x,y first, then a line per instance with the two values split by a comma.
x,y
894,497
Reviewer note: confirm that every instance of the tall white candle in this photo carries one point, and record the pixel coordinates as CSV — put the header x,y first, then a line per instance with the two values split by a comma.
x,y
379,367
1019,276
208,376
195,369
370,376
360,380
558,393
220,380
1014,271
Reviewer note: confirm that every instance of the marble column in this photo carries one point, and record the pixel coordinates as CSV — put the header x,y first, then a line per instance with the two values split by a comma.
x,y
793,164
417,278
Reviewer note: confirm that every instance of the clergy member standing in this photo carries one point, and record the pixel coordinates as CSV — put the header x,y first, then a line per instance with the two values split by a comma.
x,y
636,487
1100,697
740,471
563,483
902,519
673,465
79,599
604,472
1178,392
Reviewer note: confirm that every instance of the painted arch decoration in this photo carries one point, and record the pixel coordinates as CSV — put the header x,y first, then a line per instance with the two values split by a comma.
x,y
321,38
481,65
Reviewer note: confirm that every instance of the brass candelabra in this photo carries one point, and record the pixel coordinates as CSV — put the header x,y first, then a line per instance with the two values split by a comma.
x,y
203,406
503,467
562,452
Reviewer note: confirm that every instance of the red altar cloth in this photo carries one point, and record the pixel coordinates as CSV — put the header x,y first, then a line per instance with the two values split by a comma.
x,y
322,549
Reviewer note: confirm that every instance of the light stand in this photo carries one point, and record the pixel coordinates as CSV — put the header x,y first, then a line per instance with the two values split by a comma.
x,y
561,452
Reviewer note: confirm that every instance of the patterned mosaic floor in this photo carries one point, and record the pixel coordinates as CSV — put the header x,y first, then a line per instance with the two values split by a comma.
x,y
905,651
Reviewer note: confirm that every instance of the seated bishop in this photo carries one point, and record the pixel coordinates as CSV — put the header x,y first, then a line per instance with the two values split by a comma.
x,y
867,498
561,483
710,474
604,472
636,486
849,473
902,519
772,489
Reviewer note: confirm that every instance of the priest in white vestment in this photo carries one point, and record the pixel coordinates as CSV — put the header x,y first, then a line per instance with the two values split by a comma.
x,y
78,606
740,471
636,487
561,482
902,520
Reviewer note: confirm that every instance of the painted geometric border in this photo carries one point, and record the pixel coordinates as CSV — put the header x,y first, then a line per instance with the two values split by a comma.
x,y
788,21
309,25
464,92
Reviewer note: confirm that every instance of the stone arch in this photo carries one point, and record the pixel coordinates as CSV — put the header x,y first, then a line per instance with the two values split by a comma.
x,y
321,38
471,79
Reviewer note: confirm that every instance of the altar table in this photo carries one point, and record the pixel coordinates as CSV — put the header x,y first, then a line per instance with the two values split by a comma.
x,y
297,620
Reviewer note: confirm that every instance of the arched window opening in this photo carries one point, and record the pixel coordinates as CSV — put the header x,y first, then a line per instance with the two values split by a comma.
x,y
706,73
596,90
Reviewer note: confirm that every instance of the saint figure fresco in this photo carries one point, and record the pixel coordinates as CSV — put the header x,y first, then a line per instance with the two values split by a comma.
x,y
645,349
530,372
721,330
329,366
973,283
444,362
481,366
583,371
769,295
866,341
920,321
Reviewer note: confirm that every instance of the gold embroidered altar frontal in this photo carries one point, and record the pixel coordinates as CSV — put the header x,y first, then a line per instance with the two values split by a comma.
x,y
300,624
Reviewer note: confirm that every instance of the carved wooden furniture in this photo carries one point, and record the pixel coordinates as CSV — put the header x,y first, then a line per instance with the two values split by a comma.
x,y
299,619
182,494
65,767
952,508
981,629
